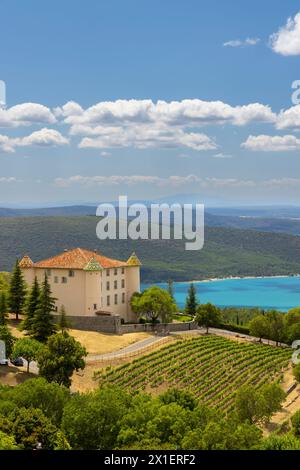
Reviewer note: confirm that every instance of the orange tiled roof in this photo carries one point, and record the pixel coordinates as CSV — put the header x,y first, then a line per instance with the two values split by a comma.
x,y
78,258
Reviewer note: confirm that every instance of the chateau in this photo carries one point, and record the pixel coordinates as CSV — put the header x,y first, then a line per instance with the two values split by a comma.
x,y
88,283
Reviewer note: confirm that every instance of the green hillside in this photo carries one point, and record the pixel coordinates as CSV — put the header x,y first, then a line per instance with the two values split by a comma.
x,y
211,367
226,251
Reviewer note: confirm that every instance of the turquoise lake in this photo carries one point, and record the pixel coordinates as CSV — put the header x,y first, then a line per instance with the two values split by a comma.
x,y
281,293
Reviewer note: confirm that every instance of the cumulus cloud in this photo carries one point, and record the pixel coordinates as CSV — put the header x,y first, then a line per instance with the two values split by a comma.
x,y
147,124
287,40
242,42
289,118
26,114
44,138
187,113
143,137
267,143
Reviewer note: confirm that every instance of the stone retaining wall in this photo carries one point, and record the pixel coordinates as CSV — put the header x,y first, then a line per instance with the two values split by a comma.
x,y
105,324
159,327
112,324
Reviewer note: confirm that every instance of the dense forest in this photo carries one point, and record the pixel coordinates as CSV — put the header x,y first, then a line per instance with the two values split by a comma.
x,y
226,251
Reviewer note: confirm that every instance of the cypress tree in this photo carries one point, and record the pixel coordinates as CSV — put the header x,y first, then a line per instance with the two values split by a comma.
x,y
3,309
171,289
42,325
31,307
17,291
191,301
63,322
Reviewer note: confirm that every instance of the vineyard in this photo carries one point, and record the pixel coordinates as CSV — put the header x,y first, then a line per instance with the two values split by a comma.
x,y
211,367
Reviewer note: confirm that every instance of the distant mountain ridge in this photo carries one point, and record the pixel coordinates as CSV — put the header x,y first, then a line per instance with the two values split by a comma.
x,y
214,217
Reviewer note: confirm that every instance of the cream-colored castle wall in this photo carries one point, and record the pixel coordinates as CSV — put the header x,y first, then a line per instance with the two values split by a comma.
x,y
87,291
71,295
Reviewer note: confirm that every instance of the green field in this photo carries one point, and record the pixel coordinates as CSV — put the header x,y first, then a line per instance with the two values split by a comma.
x,y
226,252
211,367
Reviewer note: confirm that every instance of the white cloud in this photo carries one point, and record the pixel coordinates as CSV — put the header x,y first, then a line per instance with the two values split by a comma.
x,y
105,154
267,143
222,155
185,113
289,118
44,138
174,180
9,179
107,180
147,124
145,136
26,114
242,42
71,108
287,40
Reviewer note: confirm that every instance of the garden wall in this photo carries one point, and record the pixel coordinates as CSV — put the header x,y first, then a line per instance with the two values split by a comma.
x,y
159,327
105,324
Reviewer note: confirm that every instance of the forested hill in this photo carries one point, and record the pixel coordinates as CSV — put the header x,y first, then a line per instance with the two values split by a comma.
x,y
226,251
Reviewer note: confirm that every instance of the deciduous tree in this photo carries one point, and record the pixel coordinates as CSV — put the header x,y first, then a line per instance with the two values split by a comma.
x,y
208,315
61,357
27,348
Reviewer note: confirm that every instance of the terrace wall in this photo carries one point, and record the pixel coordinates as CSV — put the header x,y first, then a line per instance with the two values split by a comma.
x,y
159,327
104,324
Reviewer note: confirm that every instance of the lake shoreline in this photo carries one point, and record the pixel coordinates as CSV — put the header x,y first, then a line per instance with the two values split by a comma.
x,y
215,279
280,292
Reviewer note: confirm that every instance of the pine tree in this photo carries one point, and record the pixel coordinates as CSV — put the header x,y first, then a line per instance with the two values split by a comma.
x,y
43,325
171,289
3,309
63,322
31,307
17,291
191,301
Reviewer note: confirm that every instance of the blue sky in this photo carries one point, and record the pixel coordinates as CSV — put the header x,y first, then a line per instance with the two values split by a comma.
x,y
193,69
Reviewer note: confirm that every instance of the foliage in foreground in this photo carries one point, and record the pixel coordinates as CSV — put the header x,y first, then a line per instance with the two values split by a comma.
x,y
112,418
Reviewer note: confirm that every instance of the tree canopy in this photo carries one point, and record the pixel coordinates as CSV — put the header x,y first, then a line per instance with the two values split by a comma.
x,y
155,303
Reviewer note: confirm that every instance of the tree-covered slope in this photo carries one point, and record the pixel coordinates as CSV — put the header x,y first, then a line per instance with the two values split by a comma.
x,y
226,251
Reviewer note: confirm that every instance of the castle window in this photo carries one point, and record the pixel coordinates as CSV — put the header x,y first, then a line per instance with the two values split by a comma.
x,y
108,300
56,279
71,273
64,280
123,298
95,306
123,283
107,285
107,272
123,270
115,271
116,284
116,299
48,272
